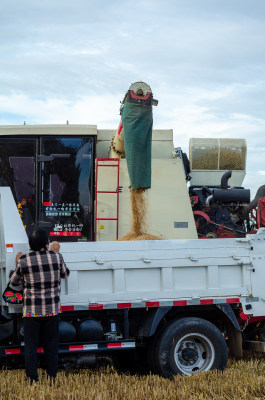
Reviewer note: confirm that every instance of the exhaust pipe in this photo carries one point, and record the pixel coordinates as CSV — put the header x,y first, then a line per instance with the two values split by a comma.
x,y
224,180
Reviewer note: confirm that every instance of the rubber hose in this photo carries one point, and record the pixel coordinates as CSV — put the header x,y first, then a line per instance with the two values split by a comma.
x,y
254,202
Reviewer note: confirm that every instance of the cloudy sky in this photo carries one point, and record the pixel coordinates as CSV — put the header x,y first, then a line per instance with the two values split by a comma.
x,y
74,60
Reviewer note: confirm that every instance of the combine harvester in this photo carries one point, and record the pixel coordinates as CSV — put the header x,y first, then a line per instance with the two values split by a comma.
x,y
172,306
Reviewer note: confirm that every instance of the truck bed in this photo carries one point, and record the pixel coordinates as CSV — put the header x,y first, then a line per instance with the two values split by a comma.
x,y
168,272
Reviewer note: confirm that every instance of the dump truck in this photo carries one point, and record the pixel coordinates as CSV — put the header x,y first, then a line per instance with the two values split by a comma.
x,y
172,306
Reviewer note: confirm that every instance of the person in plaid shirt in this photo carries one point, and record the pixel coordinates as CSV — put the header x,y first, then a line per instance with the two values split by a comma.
x,y
40,273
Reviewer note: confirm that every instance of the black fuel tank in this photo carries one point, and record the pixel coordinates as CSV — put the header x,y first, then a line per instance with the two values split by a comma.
x,y
90,330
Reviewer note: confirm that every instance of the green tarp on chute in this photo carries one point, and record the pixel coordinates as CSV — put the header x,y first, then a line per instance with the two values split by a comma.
x,y
137,122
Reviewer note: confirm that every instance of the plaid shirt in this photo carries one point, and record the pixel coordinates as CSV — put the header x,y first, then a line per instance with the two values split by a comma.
x,y
40,273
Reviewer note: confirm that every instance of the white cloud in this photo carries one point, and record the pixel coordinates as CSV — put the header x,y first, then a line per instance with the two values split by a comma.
x,y
87,110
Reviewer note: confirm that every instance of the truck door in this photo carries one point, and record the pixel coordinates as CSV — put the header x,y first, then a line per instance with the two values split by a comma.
x,y
65,187
17,170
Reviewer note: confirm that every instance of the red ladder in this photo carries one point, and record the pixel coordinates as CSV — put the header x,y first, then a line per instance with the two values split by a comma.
x,y
108,163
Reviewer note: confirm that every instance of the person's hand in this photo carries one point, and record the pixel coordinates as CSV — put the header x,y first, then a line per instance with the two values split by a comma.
x,y
11,273
19,254
55,246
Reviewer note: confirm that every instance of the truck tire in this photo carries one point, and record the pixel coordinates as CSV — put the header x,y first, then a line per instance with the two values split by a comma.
x,y
188,345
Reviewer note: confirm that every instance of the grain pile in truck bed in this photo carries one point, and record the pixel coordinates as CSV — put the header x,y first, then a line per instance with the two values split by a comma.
x,y
138,222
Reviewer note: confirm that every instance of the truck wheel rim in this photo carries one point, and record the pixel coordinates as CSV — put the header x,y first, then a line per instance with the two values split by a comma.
x,y
194,352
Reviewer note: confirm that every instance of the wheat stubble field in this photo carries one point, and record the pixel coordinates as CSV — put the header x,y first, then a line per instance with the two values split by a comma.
x,y
244,379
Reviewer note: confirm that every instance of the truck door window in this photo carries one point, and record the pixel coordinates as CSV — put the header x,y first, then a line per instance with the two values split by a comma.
x,y
66,187
17,170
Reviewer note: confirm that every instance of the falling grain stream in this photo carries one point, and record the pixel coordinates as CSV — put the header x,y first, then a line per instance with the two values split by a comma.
x,y
139,217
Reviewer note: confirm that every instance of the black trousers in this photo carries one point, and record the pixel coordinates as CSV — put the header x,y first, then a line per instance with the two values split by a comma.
x,y
48,328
